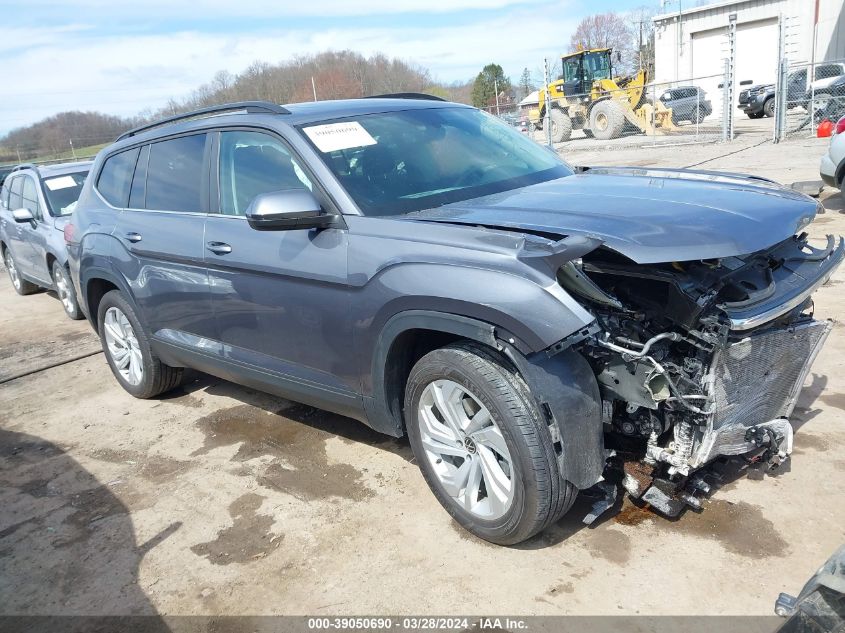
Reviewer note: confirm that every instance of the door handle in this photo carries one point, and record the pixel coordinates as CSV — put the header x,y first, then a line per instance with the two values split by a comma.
x,y
219,248
133,237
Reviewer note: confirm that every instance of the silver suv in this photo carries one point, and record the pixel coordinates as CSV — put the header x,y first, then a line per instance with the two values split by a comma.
x,y
35,204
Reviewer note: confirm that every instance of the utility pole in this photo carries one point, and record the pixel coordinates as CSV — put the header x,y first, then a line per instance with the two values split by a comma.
x,y
314,87
72,151
496,88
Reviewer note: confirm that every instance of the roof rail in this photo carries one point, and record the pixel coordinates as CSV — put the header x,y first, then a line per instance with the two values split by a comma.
x,y
406,95
24,166
264,107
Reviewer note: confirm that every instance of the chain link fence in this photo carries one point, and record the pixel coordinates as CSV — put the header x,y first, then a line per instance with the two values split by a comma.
x,y
805,95
692,110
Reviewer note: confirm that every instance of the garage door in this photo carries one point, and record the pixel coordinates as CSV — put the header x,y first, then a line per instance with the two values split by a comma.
x,y
756,53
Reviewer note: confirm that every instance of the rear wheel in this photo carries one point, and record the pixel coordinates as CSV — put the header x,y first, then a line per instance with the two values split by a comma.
x,y
138,370
65,291
698,115
482,446
21,285
561,126
607,120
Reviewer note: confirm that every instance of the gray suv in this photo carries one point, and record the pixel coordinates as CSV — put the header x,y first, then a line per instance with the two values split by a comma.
x,y
424,268
35,204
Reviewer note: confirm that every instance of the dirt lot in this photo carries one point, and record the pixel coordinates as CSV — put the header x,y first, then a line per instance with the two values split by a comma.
x,y
217,499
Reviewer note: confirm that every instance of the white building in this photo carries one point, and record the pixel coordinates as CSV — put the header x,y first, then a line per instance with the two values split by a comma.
x,y
695,44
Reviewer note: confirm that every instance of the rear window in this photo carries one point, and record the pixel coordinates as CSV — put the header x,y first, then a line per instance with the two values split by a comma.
x,y
175,174
116,177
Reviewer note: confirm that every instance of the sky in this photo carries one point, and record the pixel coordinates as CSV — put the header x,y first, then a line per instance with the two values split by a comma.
x,y
122,57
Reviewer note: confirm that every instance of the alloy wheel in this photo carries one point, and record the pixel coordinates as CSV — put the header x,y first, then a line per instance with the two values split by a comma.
x,y
13,271
63,290
466,449
122,346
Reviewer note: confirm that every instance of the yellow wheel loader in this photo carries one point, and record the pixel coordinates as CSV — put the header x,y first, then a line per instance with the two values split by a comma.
x,y
589,98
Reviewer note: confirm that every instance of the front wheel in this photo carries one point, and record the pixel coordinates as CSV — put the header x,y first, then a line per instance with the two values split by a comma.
x,y
607,120
21,285
66,292
482,445
769,108
127,347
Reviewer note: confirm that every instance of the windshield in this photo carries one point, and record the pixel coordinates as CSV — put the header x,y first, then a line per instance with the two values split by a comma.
x,y
597,65
62,192
398,162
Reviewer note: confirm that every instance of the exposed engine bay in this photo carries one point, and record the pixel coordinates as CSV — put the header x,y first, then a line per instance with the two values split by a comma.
x,y
698,359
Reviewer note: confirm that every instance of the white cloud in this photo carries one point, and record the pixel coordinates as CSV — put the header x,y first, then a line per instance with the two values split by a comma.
x,y
128,73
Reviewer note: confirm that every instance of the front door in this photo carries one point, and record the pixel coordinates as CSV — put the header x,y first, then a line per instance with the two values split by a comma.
x,y
32,250
281,298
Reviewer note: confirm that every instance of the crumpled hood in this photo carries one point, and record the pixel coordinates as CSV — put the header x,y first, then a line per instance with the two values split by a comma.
x,y
648,215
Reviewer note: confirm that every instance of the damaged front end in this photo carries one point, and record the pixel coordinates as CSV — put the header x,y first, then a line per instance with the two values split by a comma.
x,y
699,359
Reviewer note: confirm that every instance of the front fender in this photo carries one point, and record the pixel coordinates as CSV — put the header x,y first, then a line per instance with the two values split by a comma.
x,y
536,316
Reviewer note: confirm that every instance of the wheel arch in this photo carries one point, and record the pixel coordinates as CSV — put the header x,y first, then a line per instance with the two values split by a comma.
x,y
94,286
563,384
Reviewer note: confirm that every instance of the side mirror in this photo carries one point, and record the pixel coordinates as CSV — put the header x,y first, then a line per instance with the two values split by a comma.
x,y
287,210
745,82
22,215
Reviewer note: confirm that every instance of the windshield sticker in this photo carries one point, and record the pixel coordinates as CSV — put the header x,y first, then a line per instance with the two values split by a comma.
x,y
54,184
334,136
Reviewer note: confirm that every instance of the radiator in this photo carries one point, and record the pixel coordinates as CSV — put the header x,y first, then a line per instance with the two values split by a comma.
x,y
756,382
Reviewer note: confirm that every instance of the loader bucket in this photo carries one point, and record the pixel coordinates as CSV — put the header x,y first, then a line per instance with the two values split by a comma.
x,y
654,119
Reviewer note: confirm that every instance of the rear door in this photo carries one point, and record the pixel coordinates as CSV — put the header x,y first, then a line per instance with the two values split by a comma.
x,y
161,229
280,297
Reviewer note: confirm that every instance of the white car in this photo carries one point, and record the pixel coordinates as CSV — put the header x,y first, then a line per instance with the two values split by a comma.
x,y
832,168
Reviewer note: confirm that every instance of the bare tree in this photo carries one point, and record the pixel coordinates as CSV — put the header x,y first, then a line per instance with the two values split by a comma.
x,y
606,30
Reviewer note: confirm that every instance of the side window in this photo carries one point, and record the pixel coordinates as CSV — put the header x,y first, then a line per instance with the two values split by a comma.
x,y
175,174
30,196
116,177
15,200
252,163
137,192
828,70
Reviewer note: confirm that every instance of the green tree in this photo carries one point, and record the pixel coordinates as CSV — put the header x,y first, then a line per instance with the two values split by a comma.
x,y
526,85
484,89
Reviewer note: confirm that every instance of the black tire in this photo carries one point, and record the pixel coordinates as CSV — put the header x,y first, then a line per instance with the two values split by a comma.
x,y
755,115
561,126
769,107
540,495
66,292
21,285
698,115
157,378
607,120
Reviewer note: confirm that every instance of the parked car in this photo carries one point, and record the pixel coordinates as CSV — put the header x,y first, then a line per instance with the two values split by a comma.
x,y
832,169
828,102
423,267
759,100
688,103
35,204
